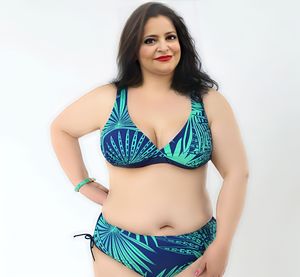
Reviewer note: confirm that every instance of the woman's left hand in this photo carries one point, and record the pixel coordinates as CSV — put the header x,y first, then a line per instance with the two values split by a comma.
x,y
214,260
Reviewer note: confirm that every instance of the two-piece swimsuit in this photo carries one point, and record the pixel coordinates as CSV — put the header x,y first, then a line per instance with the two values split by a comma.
x,y
124,145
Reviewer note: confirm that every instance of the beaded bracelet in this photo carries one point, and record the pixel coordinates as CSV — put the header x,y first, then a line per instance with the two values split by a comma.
x,y
84,182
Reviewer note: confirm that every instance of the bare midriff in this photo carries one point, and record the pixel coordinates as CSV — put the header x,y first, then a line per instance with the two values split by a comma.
x,y
159,199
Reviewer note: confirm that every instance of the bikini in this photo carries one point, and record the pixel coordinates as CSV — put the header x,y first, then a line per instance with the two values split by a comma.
x,y
124,145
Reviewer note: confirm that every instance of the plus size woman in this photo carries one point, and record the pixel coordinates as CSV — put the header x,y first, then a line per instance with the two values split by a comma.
x,y
160,122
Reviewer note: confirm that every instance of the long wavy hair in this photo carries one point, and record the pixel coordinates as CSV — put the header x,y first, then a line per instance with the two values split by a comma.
x,y
188,78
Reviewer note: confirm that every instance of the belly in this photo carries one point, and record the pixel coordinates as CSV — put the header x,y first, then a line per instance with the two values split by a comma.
x,y
157,200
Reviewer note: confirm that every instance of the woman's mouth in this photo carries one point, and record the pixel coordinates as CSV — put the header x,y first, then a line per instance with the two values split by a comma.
x,y
163,58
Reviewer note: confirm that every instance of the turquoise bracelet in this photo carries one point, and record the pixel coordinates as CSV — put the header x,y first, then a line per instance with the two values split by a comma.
x,y
84,182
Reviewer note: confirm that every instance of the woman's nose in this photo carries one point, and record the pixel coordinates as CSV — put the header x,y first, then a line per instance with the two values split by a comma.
x,y
163,46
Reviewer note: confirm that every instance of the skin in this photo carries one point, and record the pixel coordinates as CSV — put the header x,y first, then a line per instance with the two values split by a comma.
x,y
128,204
157,75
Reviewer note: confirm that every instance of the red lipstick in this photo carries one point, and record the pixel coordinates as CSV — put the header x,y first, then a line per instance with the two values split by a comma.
x,y
163,58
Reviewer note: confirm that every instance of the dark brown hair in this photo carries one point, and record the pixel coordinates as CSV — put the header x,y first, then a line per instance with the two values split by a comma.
x,y
188,78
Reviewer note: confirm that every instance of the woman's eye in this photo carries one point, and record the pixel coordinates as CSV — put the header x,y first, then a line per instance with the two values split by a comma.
x,y
150,39
173,36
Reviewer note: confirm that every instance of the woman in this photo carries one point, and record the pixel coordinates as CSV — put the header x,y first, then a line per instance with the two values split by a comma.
x,y
161,121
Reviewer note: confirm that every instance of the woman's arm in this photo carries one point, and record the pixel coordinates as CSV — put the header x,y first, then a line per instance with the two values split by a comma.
x,y
229,157
75,121
68,153
230,204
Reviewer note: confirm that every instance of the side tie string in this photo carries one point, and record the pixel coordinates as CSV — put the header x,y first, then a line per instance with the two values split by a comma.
x,y
92,242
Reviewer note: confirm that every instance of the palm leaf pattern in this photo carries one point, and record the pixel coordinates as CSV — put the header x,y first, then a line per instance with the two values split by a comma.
x,y
153,255
123,144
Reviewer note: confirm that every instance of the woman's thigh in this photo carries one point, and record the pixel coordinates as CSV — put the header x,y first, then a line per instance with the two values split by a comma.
x,y
106,266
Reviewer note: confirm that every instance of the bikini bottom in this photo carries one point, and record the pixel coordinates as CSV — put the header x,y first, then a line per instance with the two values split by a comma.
x,y
151,255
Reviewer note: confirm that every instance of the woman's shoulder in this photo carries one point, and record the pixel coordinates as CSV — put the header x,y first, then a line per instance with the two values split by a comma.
x,y
105,97
215,104
88,112
105,92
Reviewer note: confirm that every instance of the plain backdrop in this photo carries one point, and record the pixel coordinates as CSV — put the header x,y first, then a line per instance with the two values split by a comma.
x,y
53,52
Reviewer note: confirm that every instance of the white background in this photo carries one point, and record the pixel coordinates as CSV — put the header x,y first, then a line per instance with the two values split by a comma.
x,y
53,52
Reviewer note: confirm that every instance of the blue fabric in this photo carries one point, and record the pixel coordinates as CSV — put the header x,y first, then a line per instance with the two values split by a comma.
x,y
152,255
124,145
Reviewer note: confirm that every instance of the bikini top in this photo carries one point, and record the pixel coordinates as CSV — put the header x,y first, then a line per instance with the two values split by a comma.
x,y
124,145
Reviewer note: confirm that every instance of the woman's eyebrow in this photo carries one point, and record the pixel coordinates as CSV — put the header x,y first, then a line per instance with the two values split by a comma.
x,y
156,35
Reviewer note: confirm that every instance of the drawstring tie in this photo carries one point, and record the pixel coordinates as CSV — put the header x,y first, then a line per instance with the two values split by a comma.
x,y
92,242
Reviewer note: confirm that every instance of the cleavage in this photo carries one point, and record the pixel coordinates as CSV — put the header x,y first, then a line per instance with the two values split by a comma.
x,y
160,125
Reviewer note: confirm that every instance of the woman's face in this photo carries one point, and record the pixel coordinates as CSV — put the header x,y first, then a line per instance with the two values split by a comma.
x,y
159,39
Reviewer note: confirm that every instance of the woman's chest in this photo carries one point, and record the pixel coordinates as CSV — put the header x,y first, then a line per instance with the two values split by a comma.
x,y
162,120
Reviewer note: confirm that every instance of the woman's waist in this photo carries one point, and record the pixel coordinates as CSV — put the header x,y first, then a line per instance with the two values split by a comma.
x,y
144,188
164,196
156,174
157,217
